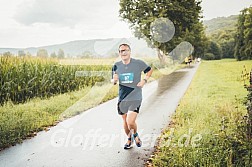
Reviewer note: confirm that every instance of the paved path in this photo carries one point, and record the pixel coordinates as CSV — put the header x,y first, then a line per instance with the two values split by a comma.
x,y
95,137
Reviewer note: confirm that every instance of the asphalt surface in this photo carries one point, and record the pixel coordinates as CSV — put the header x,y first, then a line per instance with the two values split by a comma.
x,y
96,137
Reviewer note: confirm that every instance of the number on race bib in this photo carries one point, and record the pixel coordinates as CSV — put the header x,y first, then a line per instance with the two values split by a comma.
x,y
126,78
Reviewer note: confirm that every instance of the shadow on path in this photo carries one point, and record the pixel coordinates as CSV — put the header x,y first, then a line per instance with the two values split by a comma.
x,y
168,81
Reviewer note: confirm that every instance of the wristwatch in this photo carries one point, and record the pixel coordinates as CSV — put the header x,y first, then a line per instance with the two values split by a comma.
x,y
145,80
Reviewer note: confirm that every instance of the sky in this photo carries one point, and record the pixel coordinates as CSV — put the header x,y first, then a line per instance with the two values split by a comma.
x,y
34,23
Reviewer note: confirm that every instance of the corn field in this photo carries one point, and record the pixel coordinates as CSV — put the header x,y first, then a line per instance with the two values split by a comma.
x,y
28,77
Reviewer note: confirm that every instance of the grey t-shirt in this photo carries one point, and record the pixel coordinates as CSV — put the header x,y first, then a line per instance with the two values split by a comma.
x,y
129,76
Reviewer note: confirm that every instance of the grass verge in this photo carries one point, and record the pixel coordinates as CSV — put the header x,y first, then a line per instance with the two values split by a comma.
x,y
17,122
207,128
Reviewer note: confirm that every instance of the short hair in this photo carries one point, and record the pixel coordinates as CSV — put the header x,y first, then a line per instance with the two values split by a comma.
x,y
124,44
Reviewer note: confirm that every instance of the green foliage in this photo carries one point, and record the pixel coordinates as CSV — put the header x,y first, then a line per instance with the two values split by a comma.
x,y
209,56
198,39
247,79
222,30
21,53
61,54
42,53
184,15
7,54
220,25
53,55
243,40
228,48
213,109
26,78
213,52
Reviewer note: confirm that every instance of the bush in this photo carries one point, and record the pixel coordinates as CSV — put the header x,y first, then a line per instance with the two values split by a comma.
x,y
209,56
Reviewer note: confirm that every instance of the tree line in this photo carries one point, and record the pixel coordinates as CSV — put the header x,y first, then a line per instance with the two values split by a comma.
x,y
42,53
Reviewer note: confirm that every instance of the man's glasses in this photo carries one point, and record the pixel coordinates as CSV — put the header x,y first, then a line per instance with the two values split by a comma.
x,y
124,51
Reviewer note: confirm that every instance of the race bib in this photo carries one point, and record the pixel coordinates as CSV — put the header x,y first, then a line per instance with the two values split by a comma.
x,y
126,77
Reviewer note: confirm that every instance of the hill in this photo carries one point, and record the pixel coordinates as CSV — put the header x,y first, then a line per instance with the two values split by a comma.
x,y
94,47
215,25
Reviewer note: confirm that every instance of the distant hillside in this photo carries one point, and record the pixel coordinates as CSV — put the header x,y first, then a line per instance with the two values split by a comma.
x,y
222,30
95,47
215,25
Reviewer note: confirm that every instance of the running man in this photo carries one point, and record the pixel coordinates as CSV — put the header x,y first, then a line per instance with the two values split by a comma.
x,y
128,73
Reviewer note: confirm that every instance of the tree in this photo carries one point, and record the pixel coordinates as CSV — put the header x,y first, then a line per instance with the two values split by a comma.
x,y
42,53
209,56
216,50
228,49
225,39
248,33
53,55
239,39
243,39
28,54
213,52
140,14
86,54
61,54
7,54
198,39
21,53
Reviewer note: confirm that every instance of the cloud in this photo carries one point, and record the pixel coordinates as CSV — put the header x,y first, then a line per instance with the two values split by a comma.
x,y
217,8
68,12
34,23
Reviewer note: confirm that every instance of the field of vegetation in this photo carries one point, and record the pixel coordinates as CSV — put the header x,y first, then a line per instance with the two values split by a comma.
x,y
26,78
37,93
209,127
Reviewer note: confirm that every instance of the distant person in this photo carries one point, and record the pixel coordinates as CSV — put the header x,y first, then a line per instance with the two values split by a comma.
x,y
187,61
195,60
190,59
128,73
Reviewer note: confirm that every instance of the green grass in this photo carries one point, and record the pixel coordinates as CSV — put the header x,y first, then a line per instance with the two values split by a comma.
x,y
204,130
18,122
